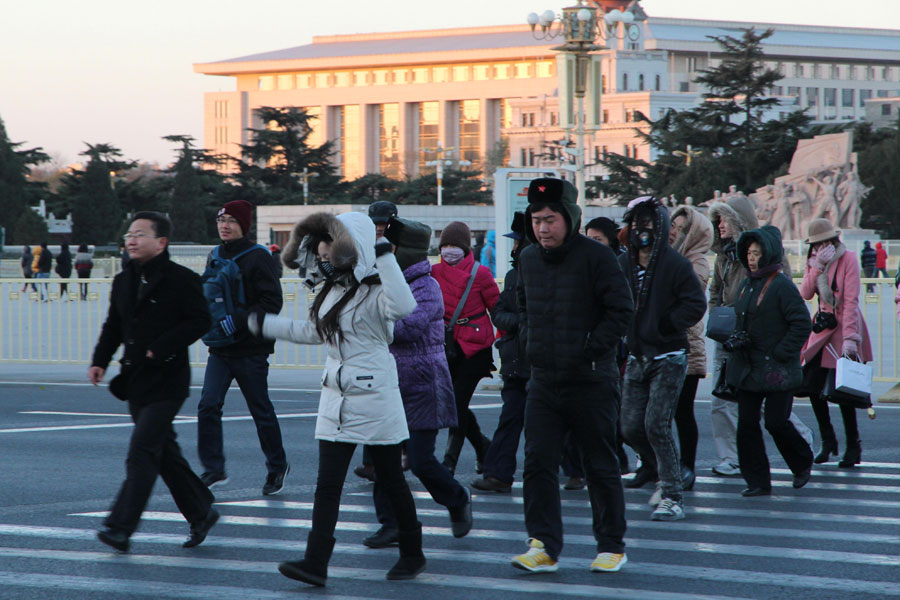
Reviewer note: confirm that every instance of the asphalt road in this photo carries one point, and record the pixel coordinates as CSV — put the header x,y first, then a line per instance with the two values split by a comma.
x,y
63,443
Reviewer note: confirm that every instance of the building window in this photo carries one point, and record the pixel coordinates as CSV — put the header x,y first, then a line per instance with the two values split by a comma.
x,y
624,82
870,73
314,139
461,73
304,81
285,82
342,79
776,90
428,131
603,87
658,83
863,96
381,77
545,68
502,71
882,93
323,80
605,115
350,167
401,76
440,75
692,64
629,115
554,119
266,83
634,153
469,130
641,82
421,75
481,72
523,157
847,98
605,153
835,72
627,151
830,97
885,110
506,114
812,96
685,86
389,140
523,70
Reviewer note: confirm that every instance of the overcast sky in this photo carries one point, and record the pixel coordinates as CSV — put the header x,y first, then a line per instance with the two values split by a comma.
x,y
121,72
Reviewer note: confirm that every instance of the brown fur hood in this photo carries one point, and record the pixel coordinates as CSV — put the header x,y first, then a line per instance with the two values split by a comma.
x,y
739,212
298,253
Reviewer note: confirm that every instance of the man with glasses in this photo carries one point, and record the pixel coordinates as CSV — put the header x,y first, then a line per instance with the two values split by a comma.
x,y
246,360
157,310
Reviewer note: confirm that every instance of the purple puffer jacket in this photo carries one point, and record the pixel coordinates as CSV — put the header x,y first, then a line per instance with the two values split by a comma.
x,y
419,351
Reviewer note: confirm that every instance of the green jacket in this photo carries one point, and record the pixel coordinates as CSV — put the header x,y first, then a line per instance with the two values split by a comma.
x,y
777,328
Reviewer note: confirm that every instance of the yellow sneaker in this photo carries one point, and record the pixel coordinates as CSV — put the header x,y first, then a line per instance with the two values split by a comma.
x,y
536,559
608,562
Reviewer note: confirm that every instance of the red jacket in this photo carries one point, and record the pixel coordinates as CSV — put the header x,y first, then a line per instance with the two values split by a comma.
x,y
478,333
880,256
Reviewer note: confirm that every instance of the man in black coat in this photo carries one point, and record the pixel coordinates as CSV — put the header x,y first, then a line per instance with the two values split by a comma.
x,y
157,310
515,370
668,299
574,307
246,360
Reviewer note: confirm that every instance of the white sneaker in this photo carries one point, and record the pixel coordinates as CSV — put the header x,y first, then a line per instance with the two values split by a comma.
x,y
726,469
668,510
656,498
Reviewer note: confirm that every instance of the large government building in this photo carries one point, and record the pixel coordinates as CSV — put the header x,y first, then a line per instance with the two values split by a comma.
x,y
388,99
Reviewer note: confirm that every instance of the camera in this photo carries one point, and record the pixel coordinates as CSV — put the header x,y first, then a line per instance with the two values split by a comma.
x,y
736,341
823,321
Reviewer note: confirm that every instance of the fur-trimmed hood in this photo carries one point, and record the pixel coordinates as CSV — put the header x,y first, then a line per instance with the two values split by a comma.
x,y
698,234
352,246
739,212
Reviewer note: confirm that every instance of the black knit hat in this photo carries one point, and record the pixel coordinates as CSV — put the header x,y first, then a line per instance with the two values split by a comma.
x,y
457,234
412,240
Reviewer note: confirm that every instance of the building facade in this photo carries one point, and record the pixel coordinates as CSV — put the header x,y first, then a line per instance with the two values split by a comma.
x,y
387,100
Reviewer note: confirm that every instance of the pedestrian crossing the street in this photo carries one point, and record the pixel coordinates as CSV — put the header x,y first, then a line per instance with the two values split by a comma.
x,y
838,537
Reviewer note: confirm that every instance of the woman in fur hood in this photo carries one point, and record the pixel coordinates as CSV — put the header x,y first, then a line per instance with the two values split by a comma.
x,y
353,315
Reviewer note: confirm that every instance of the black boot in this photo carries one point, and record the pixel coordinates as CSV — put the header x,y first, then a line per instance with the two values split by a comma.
x,y
480,453
852,455
455,443
829,447
313,569
412,561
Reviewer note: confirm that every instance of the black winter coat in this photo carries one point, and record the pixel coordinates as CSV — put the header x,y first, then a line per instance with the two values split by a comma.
x,y
45,261
165,315
64,264
575,305
505,316
778,328
262,286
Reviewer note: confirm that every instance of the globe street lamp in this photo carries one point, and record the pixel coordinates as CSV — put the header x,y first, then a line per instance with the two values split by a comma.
x,y
580,26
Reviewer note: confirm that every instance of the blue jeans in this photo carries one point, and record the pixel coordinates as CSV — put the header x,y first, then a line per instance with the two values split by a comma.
x,y
590,411
649,399
43,286
251,373
500,459
444,489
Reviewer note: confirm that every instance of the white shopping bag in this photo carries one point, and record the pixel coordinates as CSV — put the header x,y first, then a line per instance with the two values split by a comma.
x,y
852,377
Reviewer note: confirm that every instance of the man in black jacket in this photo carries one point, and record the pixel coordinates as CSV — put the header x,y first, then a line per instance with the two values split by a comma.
x,y
515,370
157,310
246,360
574,307
668,299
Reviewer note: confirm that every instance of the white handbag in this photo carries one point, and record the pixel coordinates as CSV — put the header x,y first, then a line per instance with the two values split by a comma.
x,y
851,377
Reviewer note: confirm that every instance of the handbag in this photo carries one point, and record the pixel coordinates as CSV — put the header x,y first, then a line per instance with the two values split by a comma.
x,y
842,398
722,389
720,323
452,348
852,377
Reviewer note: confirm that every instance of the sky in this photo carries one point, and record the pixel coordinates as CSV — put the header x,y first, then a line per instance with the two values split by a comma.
x,y
119,72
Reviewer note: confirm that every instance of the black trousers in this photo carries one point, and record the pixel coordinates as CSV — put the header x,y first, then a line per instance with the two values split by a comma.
x,y
686,423
334,460
500,460
751,447
154,452
590,411
466,374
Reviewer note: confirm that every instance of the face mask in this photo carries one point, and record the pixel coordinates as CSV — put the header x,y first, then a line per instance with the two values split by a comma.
x,y
326,268
641,238
452,255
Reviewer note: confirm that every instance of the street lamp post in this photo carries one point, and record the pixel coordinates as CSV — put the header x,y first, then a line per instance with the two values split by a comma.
x,y
438,164
304,178
580,25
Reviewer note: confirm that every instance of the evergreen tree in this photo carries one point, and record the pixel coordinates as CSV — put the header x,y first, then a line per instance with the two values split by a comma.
x,y
729,141
30,229
16,192
96,212
275,158
879,155
189,201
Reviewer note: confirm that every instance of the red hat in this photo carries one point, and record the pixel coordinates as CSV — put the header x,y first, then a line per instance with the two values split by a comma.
x,y
240,210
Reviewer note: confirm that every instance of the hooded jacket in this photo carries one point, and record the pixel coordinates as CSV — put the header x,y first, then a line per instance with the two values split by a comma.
x,y
360,401
727,271
489,252
880,256
694,244
777,327
573,303
669,299
867,257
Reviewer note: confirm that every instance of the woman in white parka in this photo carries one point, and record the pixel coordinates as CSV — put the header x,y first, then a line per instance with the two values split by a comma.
x,y
353,315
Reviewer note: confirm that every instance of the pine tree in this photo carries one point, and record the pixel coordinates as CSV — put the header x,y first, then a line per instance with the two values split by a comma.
x,y
96,212
189,201
29,228
16,192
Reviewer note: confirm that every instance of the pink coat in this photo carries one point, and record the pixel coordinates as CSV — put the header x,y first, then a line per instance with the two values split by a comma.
x,y
851,324
479,332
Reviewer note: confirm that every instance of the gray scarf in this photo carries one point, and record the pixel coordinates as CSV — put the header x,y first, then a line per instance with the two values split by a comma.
x,y
826,294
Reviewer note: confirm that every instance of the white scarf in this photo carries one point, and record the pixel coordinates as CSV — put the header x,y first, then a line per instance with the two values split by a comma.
x,y
826,294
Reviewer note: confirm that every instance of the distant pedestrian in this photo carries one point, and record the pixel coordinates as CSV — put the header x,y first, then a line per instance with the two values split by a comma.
x,y
234,353
27,258
473,334
64,269
868,258
353,315
276,259
84,263
44,265
489,252
123,252
668,300
881,259
574,306
605,231
157,310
